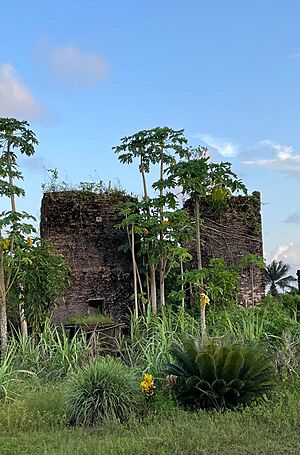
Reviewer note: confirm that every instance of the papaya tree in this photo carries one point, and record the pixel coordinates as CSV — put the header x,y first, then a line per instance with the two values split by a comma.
x,y
40,280
155,147
14,135
199,178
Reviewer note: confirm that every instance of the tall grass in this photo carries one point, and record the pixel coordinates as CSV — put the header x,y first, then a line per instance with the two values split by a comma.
x,y
51,355
272,325
151,337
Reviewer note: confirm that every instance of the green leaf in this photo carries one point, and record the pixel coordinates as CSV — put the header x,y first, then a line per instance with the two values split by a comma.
x,y
207,367
233,364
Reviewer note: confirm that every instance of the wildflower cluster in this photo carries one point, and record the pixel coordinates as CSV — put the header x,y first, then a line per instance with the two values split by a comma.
x,y
147,386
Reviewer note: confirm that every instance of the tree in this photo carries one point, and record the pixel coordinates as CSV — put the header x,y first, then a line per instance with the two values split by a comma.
x,y
41,279
158,146
14,134
198,178
275,274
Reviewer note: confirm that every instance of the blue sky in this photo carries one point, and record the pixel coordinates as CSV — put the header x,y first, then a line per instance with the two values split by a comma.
x,y
87,73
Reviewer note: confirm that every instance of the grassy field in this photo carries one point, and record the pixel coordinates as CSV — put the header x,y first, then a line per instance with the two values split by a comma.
x,y
35,425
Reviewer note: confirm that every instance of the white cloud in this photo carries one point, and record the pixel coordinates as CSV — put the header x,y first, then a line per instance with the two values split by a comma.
x,y
286,160
223,147
73,66
289,254
16,99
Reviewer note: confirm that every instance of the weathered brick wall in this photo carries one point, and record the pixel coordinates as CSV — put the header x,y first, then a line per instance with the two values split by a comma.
x,y
82,225
231,236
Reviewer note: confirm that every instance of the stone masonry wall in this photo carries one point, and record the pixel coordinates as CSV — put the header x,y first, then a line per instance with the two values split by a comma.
x,y
231,236
82,225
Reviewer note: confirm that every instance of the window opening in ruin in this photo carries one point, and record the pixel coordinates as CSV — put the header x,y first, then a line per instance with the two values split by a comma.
x,y
96,306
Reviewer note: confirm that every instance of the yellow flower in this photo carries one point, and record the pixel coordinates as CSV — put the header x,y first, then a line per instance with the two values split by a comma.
x,y
147,385
204,300
29,242
5,244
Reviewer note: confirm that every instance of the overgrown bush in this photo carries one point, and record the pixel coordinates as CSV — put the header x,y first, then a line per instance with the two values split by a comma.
x,y
216,376
103,390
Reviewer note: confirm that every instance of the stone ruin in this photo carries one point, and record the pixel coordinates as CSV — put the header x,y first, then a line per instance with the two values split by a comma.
x,y
230,236
83,226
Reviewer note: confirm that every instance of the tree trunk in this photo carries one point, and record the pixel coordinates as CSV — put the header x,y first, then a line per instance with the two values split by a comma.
x,y
182,285
273,290
136,308
198,237
23,321
153,289
161,235
144,181
147,286
162,283
198,233
3,321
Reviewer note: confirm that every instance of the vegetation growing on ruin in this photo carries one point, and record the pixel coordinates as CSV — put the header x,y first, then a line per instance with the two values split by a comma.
x,y
193,370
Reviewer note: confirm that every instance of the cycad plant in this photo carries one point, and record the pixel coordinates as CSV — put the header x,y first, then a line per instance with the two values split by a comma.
x,y
216,376
275,274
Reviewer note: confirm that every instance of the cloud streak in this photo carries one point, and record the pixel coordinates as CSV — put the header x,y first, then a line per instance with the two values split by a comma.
x,y
223,147
16,100
70,65
285,161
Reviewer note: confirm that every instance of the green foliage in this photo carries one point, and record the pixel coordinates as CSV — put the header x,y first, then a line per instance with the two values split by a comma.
x,y
251,220
219,282
252,260
254,324
35,424
90,319
96,187
147,147
51,355
40,280
10,374
292,303
150,338
103,390
219,376
198,177
18,135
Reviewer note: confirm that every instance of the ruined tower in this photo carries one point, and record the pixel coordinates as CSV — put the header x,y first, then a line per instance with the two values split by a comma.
x,y
231,235
82,225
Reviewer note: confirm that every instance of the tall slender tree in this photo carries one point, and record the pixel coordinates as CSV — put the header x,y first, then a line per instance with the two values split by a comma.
x,y
14,135
158,146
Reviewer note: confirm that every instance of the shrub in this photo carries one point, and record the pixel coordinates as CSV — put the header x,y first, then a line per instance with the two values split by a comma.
x,y
105,389
214,376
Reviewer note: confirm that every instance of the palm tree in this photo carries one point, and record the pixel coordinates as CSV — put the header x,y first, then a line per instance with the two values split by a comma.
x,y
275,277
